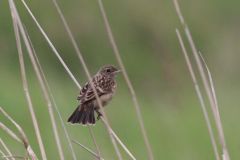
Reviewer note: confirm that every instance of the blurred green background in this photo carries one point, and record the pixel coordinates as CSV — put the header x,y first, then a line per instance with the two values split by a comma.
x,y
145,35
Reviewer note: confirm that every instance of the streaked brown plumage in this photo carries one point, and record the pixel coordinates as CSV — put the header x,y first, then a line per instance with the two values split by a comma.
x,y
105,84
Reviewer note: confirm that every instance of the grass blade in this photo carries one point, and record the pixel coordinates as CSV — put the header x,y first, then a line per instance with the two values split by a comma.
x,y
59,115
199,96
16,18
127,80
22,134
211,84
205,83
5,147
10,132
87,149
3,155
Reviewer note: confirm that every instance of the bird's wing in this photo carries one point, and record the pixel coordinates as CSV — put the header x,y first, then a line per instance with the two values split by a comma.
x,y
87,93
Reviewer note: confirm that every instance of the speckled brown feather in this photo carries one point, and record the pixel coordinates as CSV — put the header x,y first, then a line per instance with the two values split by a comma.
x,y
102,84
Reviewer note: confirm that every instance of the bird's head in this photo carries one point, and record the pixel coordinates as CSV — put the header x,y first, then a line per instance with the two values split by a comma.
x,y
109,71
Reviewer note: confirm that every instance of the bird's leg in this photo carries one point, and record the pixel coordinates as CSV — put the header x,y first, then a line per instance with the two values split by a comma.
x,y
99,114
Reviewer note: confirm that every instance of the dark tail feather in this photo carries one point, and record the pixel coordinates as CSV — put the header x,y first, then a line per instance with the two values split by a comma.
x,y
81,116
91,118
85,117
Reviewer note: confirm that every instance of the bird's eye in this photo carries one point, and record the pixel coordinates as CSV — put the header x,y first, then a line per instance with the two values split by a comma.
x,y
108,70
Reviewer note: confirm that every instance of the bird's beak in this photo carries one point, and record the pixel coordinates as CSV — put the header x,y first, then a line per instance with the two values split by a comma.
x,y
118,71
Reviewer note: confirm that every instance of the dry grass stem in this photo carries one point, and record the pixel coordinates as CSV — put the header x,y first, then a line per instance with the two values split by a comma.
x,y
95,143
31,153
126,78
64,67
87,149
199,96
88,75
67,67
5,147
119,141
3,155
10,132
81,58
211,84
44,77
51,45
41,84
205,83
19,157
15,18
22,134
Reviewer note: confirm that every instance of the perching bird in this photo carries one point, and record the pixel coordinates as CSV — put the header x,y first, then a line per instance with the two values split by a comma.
x,y
105,85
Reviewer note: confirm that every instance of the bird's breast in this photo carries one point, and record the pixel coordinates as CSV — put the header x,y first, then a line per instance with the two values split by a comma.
x,y
105,99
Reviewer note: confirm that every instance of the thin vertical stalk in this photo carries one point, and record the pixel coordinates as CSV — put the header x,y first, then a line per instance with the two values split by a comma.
x,y
199,96
44,77
3,155
211,84
119,141
23,136
55,51
127,79
41,84
205,82
51,45
34,119
5,147
95,143
89,77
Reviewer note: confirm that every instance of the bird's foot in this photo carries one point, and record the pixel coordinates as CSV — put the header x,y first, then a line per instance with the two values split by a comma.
x,y
99,114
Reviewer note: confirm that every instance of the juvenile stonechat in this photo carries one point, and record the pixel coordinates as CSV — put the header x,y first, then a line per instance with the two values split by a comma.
x,y
105,85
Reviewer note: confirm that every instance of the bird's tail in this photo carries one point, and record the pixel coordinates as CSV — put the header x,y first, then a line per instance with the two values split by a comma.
x,y
83,115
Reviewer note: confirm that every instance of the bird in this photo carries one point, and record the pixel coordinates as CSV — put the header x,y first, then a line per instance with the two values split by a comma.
x,y
105,85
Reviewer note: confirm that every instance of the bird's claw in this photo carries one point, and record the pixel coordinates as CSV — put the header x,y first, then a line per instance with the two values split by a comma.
x,y
99,115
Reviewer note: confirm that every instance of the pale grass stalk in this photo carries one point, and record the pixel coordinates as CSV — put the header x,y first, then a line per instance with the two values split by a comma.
x,y
10,132
88,75
119,141
44,77
31,153
57,52
215,98
224,157
127,79
19,157
42,86
5,147
23,136
3,155
34,119
211,84
51,45
199,95
87,149
205,83
95,143
61,62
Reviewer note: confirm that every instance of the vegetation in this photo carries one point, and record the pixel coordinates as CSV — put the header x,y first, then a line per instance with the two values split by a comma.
x,y
144,32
